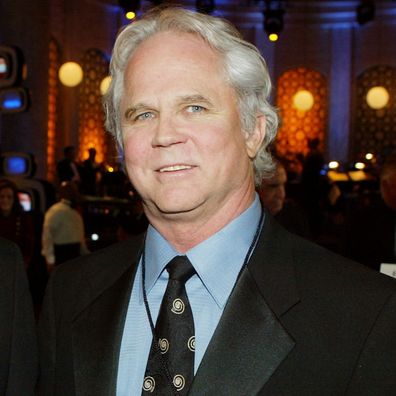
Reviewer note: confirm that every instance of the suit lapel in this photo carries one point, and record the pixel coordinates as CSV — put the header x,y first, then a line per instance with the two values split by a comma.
x,y
250,342
97,329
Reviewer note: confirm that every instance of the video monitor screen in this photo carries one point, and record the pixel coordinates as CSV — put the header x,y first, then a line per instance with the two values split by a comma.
x,y
4,67
14,100
16,164
10,66
25,199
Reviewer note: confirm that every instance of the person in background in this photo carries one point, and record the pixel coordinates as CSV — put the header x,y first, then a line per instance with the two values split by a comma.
x,y
133,221
372,229
272,192
18,342
90,171
314,187
67,168
15,224
63,230
216,298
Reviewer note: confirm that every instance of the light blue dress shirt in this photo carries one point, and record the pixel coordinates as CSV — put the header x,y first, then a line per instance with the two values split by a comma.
x,y
217,262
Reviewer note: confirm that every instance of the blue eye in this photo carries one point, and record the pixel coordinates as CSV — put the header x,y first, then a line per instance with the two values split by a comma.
x,y
195,109
144,116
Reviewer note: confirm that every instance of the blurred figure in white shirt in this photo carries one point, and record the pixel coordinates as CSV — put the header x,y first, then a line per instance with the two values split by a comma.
x,y
63,231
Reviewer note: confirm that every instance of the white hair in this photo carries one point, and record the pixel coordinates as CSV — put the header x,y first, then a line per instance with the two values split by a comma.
x,y
245,70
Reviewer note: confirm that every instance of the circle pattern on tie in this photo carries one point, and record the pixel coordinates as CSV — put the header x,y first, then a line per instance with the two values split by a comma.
x,y
149,384
163,345
191,344
178,306
179,382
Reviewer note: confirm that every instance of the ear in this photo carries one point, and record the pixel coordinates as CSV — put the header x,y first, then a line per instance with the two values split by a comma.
x,y
254,139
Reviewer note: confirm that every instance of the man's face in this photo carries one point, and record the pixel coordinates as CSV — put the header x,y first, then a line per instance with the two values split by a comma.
x,y
185,151
272,191
6,200
70,154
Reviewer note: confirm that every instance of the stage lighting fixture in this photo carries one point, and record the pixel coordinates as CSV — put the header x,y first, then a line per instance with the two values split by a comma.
x,y
11,64
130,7
205,6
273,22
365,11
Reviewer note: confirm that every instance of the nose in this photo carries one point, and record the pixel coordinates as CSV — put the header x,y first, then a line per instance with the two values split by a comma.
x,y
167,133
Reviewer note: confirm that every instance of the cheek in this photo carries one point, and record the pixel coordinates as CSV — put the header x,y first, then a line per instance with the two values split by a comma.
x,y
135,152
221,138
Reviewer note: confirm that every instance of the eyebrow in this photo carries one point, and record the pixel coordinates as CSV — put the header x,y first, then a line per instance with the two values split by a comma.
x,y
193,98
130,111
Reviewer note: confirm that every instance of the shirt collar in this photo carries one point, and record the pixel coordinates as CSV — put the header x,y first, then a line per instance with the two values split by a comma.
x,y
226,249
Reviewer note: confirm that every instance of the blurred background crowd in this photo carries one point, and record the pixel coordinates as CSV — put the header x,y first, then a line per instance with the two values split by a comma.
x,y
348,209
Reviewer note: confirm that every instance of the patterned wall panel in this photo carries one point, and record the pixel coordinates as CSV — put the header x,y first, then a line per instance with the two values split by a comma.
x,y
53,92
91,117
298,127
375,130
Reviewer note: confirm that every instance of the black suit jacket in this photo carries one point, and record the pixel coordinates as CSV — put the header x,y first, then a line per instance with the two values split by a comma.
x,y
64,170
18,343
300,321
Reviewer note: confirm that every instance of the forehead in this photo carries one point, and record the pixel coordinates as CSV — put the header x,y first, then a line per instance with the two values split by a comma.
x,y
279,177
6,191
171,50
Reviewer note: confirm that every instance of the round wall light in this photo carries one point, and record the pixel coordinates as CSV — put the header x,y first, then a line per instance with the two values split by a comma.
x,y
70,74
333,164
104,85
377,97
303,100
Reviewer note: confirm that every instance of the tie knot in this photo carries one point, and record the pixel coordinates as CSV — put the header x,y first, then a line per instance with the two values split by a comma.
x,y
180,269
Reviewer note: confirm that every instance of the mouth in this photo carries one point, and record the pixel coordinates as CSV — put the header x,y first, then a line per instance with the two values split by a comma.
x,y
174,168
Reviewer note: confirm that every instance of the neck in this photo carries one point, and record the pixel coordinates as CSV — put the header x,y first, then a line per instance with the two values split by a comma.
x,y
184,231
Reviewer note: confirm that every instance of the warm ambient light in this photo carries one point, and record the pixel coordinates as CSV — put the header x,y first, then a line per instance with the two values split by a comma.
x,y
377,97
273,37
303,100
360,165
369,156
130,15
333,164
104,85
70,74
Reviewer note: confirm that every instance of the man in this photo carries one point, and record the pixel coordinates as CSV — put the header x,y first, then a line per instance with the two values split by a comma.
x,y
18,343
67,169
273,314
272,192
90,170
372,236
63,230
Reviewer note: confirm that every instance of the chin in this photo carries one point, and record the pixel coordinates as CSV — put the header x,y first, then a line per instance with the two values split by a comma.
x,y
177,209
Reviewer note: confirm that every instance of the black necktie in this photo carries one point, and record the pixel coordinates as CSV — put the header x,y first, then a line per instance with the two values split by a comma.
x,y
170,366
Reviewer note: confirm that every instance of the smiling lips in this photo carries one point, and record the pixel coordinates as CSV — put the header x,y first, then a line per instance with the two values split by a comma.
x,y
175,168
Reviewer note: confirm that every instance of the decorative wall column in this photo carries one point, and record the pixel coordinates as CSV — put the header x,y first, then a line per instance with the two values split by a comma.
x,y
340,87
